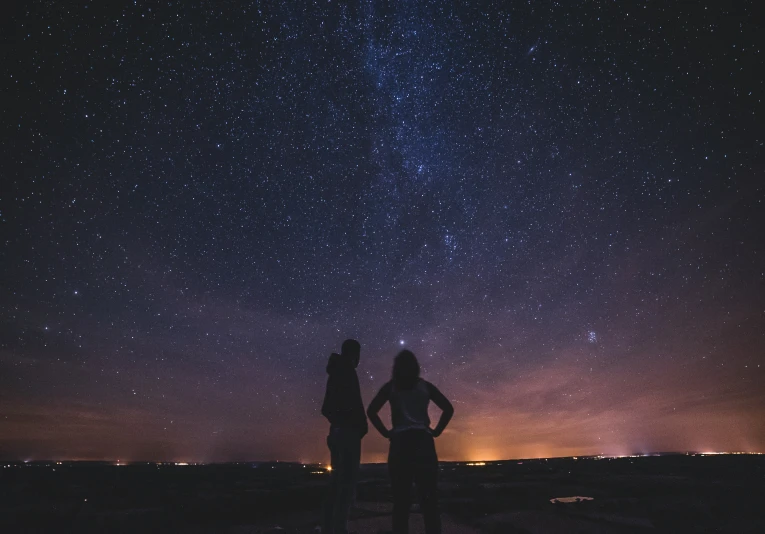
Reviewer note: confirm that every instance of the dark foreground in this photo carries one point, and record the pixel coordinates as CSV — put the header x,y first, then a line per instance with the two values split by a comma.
x,y
650,494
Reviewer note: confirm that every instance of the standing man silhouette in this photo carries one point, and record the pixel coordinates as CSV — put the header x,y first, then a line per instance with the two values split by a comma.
x,y
344,409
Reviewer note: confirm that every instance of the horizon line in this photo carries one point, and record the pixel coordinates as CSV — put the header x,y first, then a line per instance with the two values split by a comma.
x,y
122,462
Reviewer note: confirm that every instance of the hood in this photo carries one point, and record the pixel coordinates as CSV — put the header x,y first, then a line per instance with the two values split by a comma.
x,y
338,362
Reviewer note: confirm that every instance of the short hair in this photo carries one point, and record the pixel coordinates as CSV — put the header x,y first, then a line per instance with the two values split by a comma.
x,y
350,346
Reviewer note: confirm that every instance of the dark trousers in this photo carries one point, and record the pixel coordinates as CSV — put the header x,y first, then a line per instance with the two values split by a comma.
x,y
345,449
412,458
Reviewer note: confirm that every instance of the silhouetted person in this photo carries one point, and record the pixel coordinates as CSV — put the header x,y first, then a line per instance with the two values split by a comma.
x,y
344,409
412,455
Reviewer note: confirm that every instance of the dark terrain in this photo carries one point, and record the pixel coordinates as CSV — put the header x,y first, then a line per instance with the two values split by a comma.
x,y
670,493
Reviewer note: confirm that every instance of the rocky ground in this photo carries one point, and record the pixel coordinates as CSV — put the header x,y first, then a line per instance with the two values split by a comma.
x,y
628,495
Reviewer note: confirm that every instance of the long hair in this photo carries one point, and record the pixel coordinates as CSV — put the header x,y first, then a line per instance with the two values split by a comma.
x,y
406,370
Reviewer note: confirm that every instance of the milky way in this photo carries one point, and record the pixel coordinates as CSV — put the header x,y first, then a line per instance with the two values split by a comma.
x,y
556,207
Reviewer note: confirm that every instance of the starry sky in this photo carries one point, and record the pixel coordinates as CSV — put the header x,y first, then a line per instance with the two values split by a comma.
x,y
556,205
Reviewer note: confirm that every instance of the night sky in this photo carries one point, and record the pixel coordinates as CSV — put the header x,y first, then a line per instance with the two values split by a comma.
x,y
558,206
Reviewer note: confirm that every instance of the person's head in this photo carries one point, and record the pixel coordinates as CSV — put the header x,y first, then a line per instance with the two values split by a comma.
x,y
352,349
406,370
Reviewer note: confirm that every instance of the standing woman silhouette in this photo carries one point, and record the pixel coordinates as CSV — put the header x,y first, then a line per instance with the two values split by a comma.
x,y
412,455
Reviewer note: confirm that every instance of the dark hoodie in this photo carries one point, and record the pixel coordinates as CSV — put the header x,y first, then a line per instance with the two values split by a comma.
x,y
342,402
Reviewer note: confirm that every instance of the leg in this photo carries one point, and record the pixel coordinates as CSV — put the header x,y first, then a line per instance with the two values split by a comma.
x,y
400,471
354,467
426,478
348,467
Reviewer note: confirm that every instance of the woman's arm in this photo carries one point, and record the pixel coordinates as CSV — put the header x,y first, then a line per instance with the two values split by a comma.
x,y
375,406
447,410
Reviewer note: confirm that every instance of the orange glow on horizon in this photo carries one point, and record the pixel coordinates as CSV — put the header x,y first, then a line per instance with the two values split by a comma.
x,y
562,410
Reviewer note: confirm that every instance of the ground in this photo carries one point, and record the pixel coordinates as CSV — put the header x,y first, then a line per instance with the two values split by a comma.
x,y
673,493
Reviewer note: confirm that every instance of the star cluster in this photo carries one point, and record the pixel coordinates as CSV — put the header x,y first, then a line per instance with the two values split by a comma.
x,y
555,205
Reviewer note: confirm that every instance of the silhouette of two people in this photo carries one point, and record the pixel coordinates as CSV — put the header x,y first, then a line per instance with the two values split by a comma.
x,y
412,457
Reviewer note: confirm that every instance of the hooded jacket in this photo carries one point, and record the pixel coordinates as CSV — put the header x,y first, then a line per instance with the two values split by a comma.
x,y
342,405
